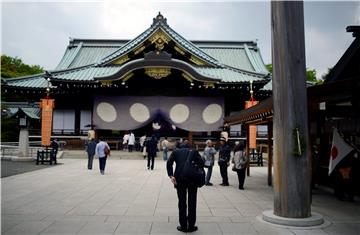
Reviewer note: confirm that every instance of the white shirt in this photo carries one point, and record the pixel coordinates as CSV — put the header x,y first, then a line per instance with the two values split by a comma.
x,y
131,139
125,138
142,140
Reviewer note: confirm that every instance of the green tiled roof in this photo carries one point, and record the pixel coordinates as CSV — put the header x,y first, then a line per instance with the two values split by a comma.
x,y
31,110
161,24
86,59
36,81
228,75
86,74
267,87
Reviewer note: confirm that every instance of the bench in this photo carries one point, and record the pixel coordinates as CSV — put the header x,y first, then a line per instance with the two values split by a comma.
x,y
46,155
256,158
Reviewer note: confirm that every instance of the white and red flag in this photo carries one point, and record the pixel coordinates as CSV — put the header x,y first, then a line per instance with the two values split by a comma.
x,y
339,150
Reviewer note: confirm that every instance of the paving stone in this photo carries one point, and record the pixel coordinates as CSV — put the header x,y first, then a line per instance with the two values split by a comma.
x,y
133,228
99,228
308,232
64,227
29,227
164,228
73,200
237,228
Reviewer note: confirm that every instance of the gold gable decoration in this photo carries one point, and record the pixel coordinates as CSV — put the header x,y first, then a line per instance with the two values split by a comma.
x,y
106,82
127,77
197,61
178,49
209,85
159,39
187,76
121,60
139,49
157,72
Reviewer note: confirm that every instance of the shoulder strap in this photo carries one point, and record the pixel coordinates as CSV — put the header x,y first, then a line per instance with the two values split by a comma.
x,y
188,155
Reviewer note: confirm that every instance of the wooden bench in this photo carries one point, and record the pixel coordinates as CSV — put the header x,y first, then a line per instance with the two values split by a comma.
x,y
46,155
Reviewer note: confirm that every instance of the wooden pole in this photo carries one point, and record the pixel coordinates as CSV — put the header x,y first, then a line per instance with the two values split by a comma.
x,y
248,148
190,137
292,173
270,157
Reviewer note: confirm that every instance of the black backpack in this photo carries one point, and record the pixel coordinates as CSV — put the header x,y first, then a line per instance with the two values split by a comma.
x,y
193,172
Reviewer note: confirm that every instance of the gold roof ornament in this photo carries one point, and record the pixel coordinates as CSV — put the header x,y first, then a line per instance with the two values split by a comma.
x,y
159,39
157,72
209,85
106,82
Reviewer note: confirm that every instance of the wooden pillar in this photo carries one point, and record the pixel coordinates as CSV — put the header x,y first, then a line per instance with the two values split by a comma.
x,y
292,167
190,137
270,157
248,148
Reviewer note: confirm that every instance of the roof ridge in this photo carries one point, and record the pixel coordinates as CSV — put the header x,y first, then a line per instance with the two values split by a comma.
x,y
246,71
23,77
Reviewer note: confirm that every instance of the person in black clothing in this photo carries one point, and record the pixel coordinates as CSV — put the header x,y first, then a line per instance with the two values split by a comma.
x,y
224,161
151,149
90,149
55,147
184,187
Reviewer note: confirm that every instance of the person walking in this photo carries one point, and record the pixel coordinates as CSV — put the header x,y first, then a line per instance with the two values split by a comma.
x,y
102,150
240,162
125,141
142,142
151,149
184,188
165,148
90,149
224,161
209,155
131,142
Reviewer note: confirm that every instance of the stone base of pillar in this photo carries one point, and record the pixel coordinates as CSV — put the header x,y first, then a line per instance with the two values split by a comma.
x,y
315,220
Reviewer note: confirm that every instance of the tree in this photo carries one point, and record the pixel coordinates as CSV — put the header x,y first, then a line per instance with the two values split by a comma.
x,y
14,67
310,74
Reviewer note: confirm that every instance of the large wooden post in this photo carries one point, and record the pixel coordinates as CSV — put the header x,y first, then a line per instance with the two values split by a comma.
x,y
270,152
292,165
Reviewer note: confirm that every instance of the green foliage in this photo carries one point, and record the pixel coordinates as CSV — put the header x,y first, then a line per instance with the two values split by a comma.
x,y
310,74
14,67
269,67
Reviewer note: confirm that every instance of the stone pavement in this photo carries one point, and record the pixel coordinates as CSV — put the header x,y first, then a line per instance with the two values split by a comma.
x,y
129,199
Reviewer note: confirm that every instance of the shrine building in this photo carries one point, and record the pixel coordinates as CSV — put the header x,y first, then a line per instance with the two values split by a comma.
x,y
156,81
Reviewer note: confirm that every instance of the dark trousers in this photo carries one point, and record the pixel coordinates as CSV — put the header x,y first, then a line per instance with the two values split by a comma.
x,y
241,177
208,174
223,171
130,147
90,161
187,220
102,163
150,158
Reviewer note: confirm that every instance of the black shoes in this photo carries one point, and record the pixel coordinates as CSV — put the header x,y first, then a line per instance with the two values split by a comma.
x,y
209,184
192,229
224,184
241,188
181,229
189,230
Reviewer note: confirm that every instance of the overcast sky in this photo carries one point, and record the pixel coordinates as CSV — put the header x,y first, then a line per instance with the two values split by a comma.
x,y
38,32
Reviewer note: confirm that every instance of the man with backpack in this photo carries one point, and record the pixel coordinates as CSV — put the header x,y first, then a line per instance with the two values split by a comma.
x,y
102,150
185,186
